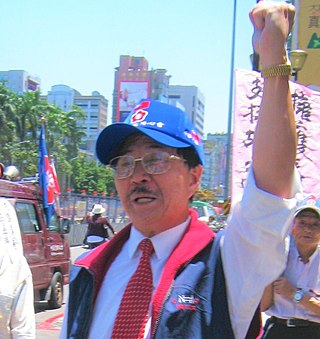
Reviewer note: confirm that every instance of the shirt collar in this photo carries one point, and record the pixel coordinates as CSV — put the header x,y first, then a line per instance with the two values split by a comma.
x,y
297,257
163,243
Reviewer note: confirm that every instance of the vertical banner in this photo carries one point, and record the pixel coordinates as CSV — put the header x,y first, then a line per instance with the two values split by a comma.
x,y
10,235
308,35
248,93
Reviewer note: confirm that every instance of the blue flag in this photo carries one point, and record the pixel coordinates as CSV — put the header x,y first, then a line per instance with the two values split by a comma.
x,y
46,179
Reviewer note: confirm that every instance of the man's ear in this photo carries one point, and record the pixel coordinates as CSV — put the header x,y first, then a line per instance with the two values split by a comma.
x,y
195,177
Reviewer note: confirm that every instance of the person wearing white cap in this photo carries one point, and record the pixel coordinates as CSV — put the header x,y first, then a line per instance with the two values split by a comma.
x,y
293,300
194,284
98,226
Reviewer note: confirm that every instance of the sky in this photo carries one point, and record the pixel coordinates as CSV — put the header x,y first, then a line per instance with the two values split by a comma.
x,y
79,42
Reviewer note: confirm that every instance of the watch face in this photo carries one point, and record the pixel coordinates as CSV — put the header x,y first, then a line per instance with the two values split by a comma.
x,y
298,296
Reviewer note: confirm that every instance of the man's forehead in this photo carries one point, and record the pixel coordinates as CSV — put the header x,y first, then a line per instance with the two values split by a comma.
x,y
138,138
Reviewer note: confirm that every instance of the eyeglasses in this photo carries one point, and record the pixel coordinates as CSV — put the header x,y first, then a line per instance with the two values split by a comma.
x,y
315,226
153,163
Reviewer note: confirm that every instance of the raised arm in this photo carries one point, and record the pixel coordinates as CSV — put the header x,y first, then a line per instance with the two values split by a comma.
x,y
274,150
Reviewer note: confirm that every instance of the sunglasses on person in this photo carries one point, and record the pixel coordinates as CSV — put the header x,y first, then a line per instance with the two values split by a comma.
x,y
153,163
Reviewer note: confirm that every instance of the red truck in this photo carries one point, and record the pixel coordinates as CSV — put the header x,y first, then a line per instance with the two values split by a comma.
x,y
45,246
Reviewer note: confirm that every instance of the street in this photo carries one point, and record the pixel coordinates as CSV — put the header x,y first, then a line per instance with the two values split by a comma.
x,y
49,322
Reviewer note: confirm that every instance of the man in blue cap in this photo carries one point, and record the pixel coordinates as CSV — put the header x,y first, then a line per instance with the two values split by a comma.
x,y
202,286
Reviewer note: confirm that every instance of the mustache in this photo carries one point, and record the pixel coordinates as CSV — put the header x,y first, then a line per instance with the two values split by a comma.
x,y
141,189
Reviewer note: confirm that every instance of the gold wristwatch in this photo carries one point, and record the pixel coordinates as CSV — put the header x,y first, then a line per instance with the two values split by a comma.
x,y
277,70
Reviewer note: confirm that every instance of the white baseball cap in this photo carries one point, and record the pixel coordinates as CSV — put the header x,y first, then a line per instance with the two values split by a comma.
x,y
309,203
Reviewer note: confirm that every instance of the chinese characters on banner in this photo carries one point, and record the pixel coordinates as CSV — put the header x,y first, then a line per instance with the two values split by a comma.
x,y
248,92
10,235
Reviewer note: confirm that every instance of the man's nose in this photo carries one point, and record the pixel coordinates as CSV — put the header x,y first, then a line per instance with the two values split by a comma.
x,y
139,173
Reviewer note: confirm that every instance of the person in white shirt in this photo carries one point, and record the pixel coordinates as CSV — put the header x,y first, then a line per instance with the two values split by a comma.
x,y
204,286
17,316
293,300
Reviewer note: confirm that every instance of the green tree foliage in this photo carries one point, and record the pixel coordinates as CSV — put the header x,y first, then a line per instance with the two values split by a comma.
x,y
20,123
7,124
91,176
20,117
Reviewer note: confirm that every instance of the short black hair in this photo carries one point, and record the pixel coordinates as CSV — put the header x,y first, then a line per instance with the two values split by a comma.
x,y
190,155
315,213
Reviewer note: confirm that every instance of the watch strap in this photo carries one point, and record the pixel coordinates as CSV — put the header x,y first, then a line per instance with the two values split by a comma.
x,y
277,70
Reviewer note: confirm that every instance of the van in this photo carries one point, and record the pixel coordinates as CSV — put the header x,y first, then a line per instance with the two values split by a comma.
x,y
45,246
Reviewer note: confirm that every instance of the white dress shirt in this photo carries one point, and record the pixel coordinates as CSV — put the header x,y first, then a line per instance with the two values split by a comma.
x,y
120,272
254,249
302,275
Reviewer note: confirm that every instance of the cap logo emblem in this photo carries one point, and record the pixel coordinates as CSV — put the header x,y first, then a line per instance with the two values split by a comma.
x,y
193,136
139,112
311,201
138,116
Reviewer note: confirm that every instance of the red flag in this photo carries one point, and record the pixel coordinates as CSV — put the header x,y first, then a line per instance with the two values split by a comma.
x,y
55,178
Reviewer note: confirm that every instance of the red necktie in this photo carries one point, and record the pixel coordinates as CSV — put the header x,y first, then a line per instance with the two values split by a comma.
x,y
133,311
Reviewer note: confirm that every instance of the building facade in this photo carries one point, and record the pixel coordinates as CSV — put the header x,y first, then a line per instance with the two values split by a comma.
x,y
19,81
95,107
215,171
193,103
134,81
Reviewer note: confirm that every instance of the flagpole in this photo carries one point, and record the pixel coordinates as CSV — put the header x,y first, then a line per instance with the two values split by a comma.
x,y
229,145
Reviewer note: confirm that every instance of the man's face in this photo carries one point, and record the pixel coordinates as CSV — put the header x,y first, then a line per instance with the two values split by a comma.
x,y
306,229
156,202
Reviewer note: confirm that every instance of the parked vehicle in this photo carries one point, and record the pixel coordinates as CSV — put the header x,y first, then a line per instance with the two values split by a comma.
x,y
207,214
204,210
45,246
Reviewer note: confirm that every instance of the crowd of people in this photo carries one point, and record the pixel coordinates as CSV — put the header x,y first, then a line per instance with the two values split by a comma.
x,y
166,274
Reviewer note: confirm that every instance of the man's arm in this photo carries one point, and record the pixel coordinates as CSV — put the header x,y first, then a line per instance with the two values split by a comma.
x,y
253,251
286,289
111,227
107,224
274,150
267,298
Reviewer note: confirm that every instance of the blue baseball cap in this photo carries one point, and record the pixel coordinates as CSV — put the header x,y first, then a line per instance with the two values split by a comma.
x,y
161,122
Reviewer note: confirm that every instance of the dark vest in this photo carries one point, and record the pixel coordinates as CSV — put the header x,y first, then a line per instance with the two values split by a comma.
x,y
196,305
